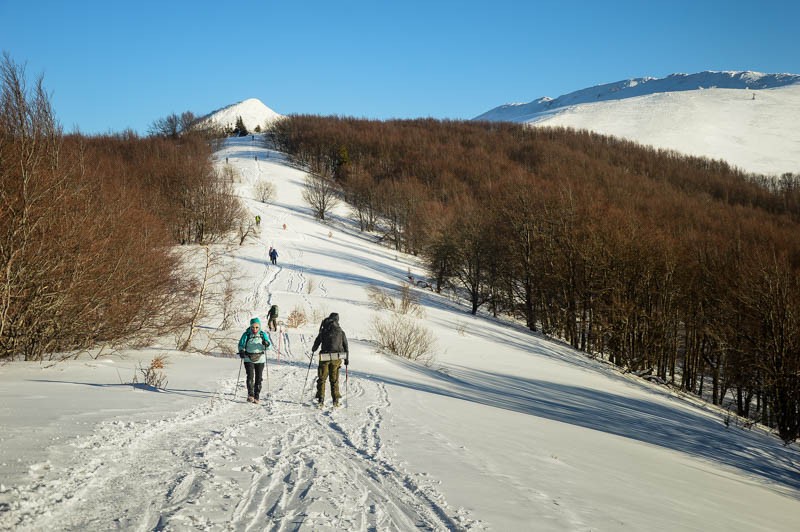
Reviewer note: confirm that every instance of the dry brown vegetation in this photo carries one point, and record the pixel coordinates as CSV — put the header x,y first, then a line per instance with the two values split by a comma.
x,y
681,266
88,225
154,373
296,318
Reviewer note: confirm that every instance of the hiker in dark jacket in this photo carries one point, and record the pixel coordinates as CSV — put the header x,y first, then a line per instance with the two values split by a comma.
x,y
332,344
272,318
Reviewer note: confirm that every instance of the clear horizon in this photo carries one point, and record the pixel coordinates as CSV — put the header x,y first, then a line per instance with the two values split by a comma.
x,y
112,67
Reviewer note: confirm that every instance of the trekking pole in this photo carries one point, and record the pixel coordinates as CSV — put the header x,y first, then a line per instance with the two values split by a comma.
x,y
346,387
241,363
305,383
266,368
280,341
273,344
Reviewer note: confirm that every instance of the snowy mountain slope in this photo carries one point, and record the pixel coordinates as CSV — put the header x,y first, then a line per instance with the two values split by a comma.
x,y
746,118
631,88
506,430
253,112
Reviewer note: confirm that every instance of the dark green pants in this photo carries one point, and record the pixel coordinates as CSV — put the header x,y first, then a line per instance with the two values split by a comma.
x,y
328,369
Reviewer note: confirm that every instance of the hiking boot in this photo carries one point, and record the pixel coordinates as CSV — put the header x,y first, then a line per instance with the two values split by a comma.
x,y
256,401
336,404
249,398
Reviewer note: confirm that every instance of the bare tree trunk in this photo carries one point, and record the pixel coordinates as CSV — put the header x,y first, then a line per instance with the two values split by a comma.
x,y
200,299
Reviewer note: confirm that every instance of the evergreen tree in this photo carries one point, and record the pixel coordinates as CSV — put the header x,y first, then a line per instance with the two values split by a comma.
x,y
241,129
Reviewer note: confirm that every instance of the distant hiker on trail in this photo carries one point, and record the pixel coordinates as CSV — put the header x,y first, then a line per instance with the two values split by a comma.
x,y
273,255
272,318
258,219
332,344
252,347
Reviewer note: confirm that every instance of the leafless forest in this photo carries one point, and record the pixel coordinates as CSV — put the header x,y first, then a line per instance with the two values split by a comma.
x,y
89,227
679,266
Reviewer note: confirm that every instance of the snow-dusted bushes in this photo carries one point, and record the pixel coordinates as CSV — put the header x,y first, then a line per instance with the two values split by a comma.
x,y
403,336
397,329
407,303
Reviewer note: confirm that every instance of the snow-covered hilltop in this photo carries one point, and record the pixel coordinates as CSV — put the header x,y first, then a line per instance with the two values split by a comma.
x,y
253,112
746,118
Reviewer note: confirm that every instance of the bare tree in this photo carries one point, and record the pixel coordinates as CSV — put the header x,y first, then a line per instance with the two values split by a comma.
x,y
201,296
187,121
265,191
172,125
321,194
362,196
168,126
246,228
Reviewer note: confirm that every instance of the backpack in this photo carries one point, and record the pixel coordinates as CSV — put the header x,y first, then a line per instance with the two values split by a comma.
x,y
273,311
331,336
261,333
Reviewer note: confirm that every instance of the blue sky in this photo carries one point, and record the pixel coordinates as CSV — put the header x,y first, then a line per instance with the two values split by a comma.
x,y
114,65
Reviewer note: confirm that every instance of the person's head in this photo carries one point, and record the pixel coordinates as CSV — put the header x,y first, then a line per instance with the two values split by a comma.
x,y
334,317
255,324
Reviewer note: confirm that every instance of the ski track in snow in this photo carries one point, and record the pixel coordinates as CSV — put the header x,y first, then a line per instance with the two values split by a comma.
x,y
228,465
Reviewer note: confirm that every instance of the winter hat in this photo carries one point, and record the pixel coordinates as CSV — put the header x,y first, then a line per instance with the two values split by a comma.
x,y
334,317
255,320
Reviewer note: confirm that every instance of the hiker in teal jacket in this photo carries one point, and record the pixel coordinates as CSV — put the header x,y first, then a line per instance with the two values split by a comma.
x,y
252,349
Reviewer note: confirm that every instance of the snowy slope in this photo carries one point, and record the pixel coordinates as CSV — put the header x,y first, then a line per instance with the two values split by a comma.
x,y
746,118
506,430
253,112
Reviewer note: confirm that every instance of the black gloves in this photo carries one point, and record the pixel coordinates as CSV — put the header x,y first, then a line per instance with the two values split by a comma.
x,y
242,354
347,361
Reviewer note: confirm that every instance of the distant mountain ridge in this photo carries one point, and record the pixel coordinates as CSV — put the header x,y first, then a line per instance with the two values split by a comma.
x,y
747,119
630,88
252,111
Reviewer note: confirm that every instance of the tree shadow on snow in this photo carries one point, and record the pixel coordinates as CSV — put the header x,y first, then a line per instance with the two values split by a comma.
x,y
675,428
137,386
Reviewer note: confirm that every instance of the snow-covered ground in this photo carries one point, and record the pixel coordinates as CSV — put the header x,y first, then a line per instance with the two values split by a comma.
x,y
505,430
